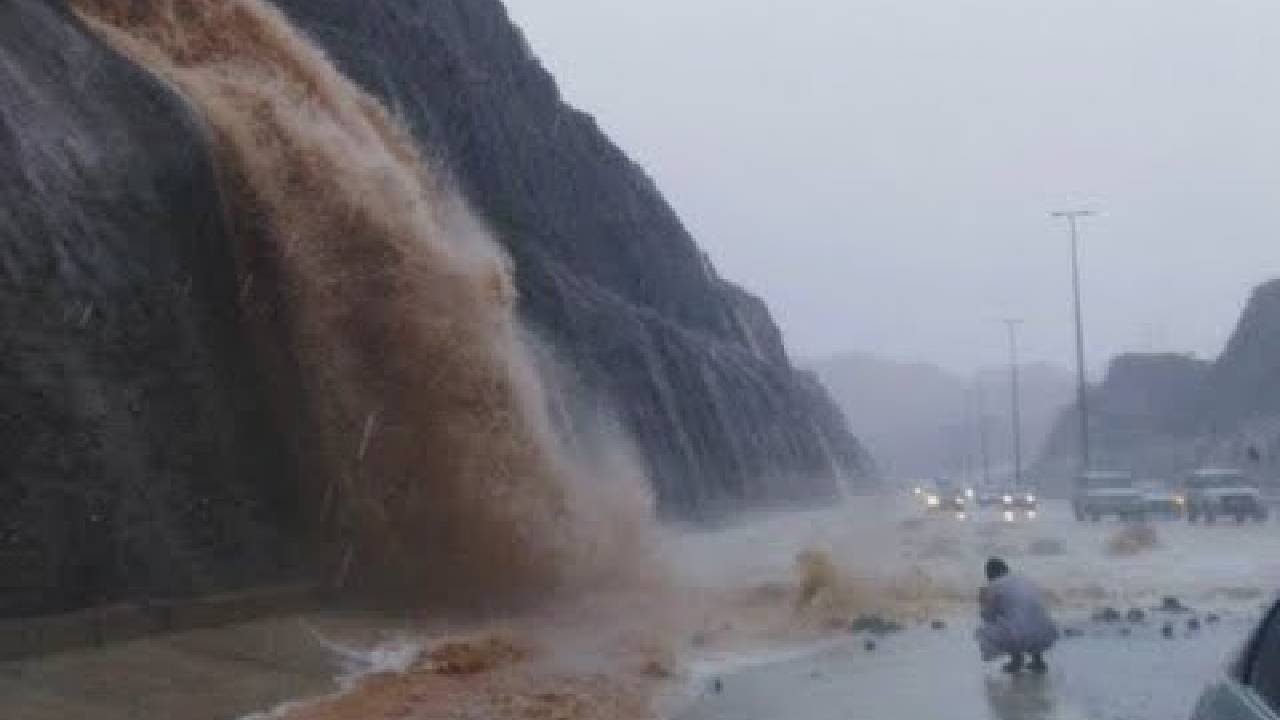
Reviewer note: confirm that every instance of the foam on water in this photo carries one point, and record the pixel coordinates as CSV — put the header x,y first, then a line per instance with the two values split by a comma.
x,y
396,655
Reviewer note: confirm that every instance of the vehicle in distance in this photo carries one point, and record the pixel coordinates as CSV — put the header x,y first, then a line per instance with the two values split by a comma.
x,y
1019,504
1250,687
1221,492
1161,501
989,497
945,496
1099,493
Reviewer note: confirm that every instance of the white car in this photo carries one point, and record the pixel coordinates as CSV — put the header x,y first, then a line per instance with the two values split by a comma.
x,y
1250,688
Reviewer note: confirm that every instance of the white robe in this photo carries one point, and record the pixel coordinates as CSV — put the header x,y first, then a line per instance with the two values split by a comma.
x,y
1014,618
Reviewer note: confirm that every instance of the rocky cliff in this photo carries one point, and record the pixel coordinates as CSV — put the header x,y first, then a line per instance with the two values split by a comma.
x,y
143,450
693,365
135,451
1162,414
1144,416
1244,382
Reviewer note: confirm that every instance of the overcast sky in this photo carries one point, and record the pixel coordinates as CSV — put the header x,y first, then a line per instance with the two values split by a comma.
x,y
880,170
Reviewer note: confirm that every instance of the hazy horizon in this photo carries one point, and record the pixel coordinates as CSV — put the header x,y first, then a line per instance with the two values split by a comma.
x,y
881,172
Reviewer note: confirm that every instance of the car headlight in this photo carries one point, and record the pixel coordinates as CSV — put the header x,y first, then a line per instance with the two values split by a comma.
x,y
1180,500
1008,499
932,501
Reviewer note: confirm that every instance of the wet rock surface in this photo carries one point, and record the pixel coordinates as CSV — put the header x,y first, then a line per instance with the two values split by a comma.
x,y
137,458
693,365
141,452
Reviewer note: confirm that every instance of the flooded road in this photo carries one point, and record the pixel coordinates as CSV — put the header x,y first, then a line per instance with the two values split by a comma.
x,y
766,608
924,673
1103,670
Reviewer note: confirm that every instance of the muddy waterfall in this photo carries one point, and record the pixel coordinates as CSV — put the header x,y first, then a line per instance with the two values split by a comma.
x,y
340,289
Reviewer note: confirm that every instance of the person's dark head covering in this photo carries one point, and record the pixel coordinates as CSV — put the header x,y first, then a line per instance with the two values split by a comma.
x,y
996,568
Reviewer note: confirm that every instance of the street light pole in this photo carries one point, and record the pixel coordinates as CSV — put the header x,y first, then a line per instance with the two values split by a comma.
x,y
982,433
1082,399
1015,401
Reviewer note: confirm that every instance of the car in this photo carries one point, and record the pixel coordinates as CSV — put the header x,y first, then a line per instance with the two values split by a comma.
x,y
1161,501
1019,504
1250,687
945,496
1216,492
989,497
1099,493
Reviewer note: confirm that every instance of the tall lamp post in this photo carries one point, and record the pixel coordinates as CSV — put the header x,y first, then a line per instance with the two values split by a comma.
x,y
1072,217
1015,401
982,432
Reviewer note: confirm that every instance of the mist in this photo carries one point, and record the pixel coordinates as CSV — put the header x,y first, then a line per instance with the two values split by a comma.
x,y
854,158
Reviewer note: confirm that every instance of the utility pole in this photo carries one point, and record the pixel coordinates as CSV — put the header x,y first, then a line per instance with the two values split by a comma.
x,y
982,433
1015,401
1082,400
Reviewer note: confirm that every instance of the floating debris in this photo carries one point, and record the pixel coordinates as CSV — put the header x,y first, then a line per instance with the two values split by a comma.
x,y
1107,615
874,625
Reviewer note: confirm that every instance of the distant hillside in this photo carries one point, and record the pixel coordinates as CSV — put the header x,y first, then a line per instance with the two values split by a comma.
x,y
1244,383
1162,414
1144,417
919,420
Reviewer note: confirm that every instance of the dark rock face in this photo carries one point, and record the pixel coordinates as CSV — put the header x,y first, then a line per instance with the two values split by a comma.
x,y
134,458
138,454
1244,383
694,365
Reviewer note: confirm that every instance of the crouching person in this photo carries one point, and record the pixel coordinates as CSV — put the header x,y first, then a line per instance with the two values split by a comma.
x,y
1015,621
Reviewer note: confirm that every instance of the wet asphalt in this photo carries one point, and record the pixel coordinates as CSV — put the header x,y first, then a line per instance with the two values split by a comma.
x,y
1109,671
